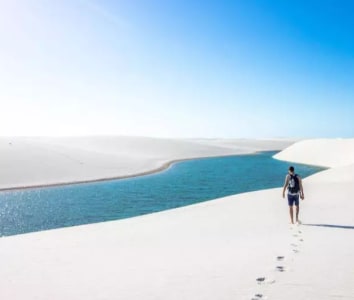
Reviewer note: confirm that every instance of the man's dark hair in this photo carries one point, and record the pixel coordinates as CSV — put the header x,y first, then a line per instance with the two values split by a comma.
x,y
291,169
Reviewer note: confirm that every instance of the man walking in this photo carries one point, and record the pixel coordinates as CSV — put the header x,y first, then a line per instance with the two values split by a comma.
x,y
293,183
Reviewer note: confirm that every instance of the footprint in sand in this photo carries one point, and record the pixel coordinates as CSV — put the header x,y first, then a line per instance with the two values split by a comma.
x,y
258,296
295,247
297,233
260,279
264,280
280,269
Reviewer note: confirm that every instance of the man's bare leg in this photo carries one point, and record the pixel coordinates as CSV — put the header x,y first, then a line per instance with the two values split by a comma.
x,y
291,214
297,213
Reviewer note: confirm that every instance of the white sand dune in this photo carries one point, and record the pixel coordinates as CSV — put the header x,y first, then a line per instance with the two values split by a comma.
x,y
213,250
321,152
40,161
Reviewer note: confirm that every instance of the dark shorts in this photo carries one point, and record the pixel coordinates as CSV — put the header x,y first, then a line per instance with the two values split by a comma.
x,y
293,199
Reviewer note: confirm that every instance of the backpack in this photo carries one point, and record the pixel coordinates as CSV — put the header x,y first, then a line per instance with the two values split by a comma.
x,y
293,186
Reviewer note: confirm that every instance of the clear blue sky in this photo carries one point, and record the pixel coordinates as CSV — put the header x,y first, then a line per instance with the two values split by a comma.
x,y
177,68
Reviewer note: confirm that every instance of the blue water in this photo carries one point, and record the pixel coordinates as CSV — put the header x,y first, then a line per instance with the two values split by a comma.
x,y
182,184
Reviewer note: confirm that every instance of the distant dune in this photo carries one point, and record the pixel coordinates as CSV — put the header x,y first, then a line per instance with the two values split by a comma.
x,y
46,161
321,152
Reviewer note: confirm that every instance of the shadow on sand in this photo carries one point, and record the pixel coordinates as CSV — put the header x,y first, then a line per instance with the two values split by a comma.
x,y
330,226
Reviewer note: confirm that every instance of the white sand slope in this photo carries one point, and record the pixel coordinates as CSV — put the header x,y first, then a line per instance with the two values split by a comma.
x,y
46,161
213,250
321,152
324,267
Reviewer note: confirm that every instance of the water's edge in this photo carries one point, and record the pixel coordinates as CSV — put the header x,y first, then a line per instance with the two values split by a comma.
x,y
162,168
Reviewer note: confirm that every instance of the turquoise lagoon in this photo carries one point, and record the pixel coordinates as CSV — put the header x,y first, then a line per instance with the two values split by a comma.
x,y
182,184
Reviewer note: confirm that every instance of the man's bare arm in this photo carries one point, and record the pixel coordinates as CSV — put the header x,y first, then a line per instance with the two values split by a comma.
x,y
285,185
302,195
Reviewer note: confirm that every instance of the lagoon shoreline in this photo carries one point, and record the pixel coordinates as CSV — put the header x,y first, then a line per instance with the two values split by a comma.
x,y
162,168
159,158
